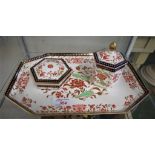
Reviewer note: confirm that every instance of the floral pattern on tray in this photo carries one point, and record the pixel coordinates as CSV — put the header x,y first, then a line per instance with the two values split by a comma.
x,y
129,78
79,85
22,82
77,108
80,93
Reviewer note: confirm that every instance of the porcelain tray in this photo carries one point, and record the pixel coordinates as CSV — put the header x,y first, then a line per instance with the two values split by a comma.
x,y
105,94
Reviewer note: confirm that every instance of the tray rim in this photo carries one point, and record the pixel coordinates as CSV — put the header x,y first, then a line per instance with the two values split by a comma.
x,y
146,91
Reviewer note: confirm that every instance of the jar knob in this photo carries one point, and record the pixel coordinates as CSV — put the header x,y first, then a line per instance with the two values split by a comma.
x,y
112,46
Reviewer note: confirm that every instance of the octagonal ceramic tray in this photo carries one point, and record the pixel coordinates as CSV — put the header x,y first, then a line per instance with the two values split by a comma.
x,y
104,94
50,72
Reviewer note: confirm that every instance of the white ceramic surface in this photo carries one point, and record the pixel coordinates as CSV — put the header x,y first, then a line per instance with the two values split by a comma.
x,y
106,94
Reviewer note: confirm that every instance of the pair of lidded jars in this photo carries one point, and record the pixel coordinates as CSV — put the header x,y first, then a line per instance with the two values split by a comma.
x,y
54,72
111,60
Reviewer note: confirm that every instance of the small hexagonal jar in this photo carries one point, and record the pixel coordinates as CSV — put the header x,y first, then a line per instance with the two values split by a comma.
x,y
111,59
51,72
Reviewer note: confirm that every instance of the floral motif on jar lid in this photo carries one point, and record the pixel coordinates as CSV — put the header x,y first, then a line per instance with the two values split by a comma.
x,y
51,72
111,59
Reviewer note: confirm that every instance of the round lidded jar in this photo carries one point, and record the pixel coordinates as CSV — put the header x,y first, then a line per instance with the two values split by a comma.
x,y
111,59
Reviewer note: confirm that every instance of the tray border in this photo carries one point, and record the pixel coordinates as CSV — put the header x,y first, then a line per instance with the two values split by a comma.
x,y
146,91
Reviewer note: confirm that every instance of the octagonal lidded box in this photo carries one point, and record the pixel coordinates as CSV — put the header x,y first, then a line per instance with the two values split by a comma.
x,y
111,59
51,72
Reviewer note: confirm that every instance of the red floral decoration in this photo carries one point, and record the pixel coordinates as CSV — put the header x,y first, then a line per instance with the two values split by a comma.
x,y
101,76
104,55
23,81
128,100
113,106
129,78
118,57
59,94
76,83
67,108
78,68
79,107
62,68
76,60
42,74
27,101
50,66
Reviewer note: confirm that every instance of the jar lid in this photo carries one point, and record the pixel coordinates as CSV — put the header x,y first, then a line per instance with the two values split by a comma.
x,y
50,72
110,59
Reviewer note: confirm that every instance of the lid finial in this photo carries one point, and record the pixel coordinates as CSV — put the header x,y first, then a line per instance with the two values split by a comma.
x,y
112,46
